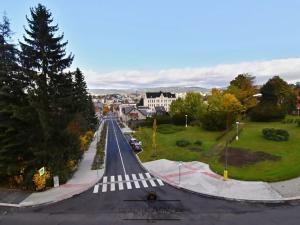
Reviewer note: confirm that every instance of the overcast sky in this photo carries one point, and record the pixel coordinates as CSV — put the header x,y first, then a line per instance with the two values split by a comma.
x,y
150,43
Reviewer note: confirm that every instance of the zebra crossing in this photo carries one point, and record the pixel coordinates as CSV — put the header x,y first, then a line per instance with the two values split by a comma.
x,y
127,182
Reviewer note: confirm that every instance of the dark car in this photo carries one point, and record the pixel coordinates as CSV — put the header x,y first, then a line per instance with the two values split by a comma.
x,y
137,147
132,141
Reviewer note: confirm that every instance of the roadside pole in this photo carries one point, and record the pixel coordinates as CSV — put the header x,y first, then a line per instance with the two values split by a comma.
x,y
225,175
179,171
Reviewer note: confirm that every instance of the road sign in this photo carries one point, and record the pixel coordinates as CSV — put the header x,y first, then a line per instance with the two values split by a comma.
x,y
42,171
56,181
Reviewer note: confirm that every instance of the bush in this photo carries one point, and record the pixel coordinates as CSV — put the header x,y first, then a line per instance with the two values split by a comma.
x,y
298,123
275,134
267,112
198,142
182,143
40,181
214,121
179,119
165,119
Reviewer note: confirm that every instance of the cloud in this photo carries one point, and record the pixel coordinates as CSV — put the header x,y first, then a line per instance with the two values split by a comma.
x,y
215,76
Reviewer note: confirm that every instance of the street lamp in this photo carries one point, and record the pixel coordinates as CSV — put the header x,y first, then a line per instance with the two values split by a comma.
x,y
237,130
185,120
179,171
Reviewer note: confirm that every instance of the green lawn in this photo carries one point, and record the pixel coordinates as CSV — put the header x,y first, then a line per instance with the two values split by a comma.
x,y
250,138
166,142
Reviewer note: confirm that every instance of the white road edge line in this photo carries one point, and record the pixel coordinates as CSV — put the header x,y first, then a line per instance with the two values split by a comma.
x,y
118,147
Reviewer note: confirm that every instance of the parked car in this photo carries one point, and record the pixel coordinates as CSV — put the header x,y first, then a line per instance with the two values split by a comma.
x,y
132,141
135,145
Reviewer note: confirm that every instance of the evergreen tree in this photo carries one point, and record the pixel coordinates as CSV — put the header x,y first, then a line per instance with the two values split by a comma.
x,y
16,116
44,58
83,102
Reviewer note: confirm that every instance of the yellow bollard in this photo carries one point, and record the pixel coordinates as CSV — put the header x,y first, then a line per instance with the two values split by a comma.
x,y
225,175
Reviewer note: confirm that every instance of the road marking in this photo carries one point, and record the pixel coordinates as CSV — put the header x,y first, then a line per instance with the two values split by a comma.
x,y
128,181
118,147
150,179
143,181
112,184
136,183
96,188
104,185
160,182
121,187
117,180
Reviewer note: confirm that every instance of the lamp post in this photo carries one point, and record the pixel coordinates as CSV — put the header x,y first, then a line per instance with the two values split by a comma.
x,y
237,130
179,171
185,120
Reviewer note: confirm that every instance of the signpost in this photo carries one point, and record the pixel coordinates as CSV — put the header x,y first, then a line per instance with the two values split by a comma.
x,y
42,171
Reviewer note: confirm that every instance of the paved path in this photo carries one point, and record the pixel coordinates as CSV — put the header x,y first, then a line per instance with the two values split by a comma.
x,y
197,177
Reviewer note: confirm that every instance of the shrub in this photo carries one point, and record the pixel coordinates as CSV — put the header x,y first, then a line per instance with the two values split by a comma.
x,y
85,140
198,142
298,123
214,121
163,119
179,119
275,134
40,181
182,143
195,123
267,112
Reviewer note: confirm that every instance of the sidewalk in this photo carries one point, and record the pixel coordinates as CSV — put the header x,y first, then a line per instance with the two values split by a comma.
x,y
197,177
83,179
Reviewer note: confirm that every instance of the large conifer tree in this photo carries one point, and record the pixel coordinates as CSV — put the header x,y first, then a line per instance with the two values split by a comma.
x,y
16,152
44,58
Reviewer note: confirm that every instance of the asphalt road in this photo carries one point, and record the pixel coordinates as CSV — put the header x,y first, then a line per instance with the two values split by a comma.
x,y
173,206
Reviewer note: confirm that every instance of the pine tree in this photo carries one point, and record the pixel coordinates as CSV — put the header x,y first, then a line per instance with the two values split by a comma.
x,y
84,103
44,58
16,153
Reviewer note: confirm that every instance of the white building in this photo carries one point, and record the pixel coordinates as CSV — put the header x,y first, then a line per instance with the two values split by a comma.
x,y
154,99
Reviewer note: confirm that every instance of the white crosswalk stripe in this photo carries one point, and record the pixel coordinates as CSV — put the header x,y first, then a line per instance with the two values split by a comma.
x,y
128,181
150,180
139,180
96,188
121,187
160,182
112,184
136,183
143,181
104,185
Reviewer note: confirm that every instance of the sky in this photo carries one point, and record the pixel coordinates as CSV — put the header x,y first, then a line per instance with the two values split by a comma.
x,y
152,43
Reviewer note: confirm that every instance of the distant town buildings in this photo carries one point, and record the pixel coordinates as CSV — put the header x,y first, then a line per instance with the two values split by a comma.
x,y
155,99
